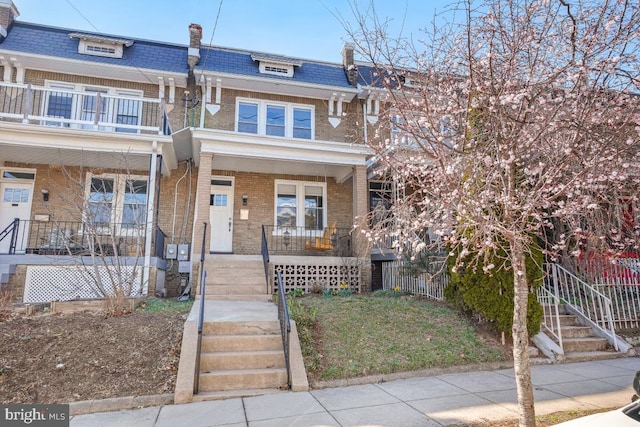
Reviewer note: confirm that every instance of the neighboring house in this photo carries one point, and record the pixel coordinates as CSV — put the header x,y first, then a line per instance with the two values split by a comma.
x,y
112,148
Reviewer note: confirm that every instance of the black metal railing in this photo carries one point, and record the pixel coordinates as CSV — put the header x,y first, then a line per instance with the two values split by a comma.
x,y
265,255
285,324
330,241
203,290
77,238
11,232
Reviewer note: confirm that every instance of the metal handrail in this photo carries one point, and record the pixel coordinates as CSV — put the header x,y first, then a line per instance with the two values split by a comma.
x,y
265,255
585,300
11,228
285,324
203,288
551,313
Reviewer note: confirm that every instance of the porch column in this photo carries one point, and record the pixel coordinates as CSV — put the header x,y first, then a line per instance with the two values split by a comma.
x,y
201,215
360,243
150,216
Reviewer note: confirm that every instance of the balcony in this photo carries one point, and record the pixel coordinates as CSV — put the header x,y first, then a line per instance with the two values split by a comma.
x,y
90,110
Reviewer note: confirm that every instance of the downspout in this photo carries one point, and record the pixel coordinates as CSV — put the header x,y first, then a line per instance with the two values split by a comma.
x,y
364,121
159,174
150,217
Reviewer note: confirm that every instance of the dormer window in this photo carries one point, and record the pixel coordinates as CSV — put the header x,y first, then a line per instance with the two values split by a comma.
x,y
100,46
276,65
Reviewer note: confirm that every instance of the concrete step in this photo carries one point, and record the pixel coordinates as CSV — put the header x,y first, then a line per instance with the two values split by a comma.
x,y
240,289
204,396
248,261
242,328
251,297
216,277
584,356
576,332
233,360
584,344
567,320
211,343
243,379
6,270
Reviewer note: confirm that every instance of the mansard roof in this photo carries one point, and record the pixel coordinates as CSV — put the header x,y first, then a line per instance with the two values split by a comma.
x,y
47,41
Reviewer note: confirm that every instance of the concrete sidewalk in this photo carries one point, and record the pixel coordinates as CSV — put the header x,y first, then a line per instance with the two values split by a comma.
x,y
425,401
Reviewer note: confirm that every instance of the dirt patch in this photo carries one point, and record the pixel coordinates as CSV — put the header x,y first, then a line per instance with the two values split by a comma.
x,y
64,358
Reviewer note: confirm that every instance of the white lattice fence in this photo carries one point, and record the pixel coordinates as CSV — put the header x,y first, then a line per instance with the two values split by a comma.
x,y
302,276
66,283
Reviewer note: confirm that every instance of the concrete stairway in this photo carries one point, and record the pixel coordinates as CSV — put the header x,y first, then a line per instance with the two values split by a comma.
x,y
580,343
242,351
235,278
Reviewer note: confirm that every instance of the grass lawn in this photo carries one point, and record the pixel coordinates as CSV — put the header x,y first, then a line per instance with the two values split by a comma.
x,y
345,337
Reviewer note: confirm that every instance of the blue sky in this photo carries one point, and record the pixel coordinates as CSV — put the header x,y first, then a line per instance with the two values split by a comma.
x,y
300,28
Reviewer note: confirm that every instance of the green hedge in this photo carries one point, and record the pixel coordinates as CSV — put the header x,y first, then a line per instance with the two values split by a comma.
x,y
490,295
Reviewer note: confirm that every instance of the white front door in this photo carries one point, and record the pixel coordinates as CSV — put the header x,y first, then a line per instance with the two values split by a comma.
x,y
221,214
15,203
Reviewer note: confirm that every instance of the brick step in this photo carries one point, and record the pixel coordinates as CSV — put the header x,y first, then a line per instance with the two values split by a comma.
x,y
233,360
242,328
576,332
243,289
243,379
211,343
584,344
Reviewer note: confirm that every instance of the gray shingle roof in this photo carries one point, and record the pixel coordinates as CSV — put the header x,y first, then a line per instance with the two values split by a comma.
x,y
50,41
238,62
44,40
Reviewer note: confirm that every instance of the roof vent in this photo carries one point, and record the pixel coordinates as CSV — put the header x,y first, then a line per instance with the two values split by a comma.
x,y
89,44
276,65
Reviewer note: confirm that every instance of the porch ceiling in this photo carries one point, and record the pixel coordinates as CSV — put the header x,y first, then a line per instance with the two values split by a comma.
x,y
33,144
250,153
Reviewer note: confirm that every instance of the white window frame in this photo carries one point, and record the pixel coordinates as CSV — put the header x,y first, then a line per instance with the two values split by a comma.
x,y
262,116
276,69
117,204
300,209
77,105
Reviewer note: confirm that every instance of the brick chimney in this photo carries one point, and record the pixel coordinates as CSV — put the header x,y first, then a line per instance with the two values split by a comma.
x,y
195,36
350,68
8,14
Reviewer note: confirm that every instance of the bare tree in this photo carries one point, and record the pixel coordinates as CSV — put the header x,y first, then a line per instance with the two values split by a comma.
x,y
100,223
512,120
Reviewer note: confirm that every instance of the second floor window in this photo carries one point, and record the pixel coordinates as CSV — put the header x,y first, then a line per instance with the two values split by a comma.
x,y
275,119
78,106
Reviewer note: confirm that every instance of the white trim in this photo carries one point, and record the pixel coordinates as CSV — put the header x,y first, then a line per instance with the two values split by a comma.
x,y
300,206
76,92
118,202
289,108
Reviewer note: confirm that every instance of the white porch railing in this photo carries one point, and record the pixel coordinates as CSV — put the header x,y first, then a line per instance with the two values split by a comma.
x,y
584,300
625,304
60,107
430,285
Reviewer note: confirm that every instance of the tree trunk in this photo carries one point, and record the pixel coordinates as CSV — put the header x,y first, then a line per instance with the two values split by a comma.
x,y
521,367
